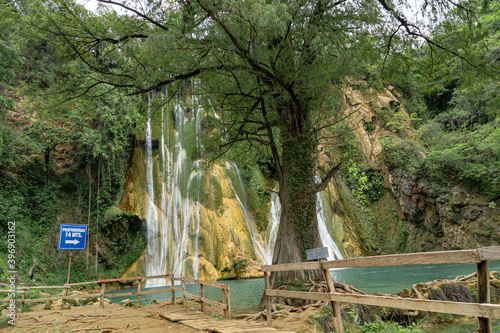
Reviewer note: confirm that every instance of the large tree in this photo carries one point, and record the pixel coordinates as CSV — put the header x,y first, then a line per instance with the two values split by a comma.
x,y
271,68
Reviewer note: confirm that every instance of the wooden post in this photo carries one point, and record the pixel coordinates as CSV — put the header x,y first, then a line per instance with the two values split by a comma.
x,y
23,297
483,295
337,316
184,299
65,293
202,286
69,265
103,290
139,294
228,303
173,290
224,301
268,301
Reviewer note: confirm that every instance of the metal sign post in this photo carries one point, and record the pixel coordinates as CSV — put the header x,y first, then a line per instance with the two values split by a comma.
x,y
72,237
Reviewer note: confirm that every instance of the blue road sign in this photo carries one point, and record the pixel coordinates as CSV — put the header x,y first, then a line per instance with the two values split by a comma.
x,y
72,237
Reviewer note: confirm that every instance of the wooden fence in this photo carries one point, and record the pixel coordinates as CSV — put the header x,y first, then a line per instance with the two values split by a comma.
x,y
482,309
225,304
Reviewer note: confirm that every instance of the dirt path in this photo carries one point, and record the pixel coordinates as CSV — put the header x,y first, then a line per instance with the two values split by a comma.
x,y
91,318
116,318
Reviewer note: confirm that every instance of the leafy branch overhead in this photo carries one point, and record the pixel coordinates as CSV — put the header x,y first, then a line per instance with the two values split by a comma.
x,y
269,72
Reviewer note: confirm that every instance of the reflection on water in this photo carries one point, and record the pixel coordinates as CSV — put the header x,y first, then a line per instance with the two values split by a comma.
x,y
246,294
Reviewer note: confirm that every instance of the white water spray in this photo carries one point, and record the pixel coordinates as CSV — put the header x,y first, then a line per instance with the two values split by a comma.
x,y
254,235
274,220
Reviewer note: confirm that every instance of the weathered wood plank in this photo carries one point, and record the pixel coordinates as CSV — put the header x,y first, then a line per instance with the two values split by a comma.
x,y
200,321
131,293
165,276
54,298
489,253
268,300
214,303
226,312
172,289
483,295
228,303
103,291
185,315
43,287
337,317
291,267
120,280
425,258
206,283
194,297
467,309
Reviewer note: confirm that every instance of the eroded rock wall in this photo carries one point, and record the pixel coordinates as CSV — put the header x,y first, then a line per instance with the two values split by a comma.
x,y
410,217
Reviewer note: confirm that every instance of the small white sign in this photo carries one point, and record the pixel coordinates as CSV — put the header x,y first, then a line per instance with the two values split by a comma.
x,y
318,253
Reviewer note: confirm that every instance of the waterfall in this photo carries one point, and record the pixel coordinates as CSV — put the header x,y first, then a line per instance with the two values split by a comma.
x,y
153,255
177,238
173,227
274,222
326,238
274,219
254,235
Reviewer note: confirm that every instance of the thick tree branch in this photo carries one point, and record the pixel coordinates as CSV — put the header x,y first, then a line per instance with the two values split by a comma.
x,y
324,182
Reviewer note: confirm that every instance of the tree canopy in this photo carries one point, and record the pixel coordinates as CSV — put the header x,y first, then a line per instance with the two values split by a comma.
x,y
272,70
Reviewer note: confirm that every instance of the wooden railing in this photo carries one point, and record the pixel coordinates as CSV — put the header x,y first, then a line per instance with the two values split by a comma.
x,y
482,309
226,299
225,304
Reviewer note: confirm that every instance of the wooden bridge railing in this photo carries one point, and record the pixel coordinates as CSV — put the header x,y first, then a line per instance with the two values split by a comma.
x,y
482,309
226,299
225,304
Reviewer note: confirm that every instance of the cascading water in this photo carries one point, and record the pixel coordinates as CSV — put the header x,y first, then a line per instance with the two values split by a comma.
x,y
153,255
254,235
274,222
173,227
274,219
326,238
177,238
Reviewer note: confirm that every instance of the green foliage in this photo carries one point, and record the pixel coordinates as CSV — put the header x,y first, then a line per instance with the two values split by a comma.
x,y
257,194
7,103
298,283
470,156
239,264
367,186
10,57
3,271
387,327
4,321
403,153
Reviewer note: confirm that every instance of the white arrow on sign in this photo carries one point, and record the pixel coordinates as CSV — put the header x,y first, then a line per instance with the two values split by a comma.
x,y
74,241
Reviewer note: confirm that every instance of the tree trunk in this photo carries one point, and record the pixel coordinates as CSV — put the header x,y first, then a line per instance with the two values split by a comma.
x,y
298,230
89,173
97,219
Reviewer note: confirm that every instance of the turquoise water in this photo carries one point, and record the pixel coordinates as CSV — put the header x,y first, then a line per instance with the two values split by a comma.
x,y
246,294
388,280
